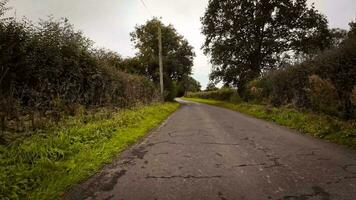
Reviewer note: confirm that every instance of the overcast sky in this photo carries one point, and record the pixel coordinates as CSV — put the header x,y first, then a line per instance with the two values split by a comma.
x,y
109,22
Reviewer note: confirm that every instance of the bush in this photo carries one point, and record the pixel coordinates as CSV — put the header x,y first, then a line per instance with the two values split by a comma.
x,y
254,91
285,86
353,96
224,94
324,83
50,69
172,91
323,95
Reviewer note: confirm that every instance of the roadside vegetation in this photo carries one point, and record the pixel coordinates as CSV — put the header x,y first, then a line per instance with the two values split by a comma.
x,y
305,79
66,107
55,158
318,125
49,70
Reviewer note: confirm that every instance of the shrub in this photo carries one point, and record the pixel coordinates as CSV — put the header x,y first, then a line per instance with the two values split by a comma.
x,y
50,69
323,95
285,86
224,94
254,91
353,96
172,91
324,83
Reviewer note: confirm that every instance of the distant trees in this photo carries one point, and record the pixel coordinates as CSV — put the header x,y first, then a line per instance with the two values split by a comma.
x,y
211,87
49,68
178,55
189,84
245,38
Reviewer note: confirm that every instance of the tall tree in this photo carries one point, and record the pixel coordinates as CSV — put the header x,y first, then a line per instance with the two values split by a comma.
x,y
189,84
337,36
246,37
3,7
177,53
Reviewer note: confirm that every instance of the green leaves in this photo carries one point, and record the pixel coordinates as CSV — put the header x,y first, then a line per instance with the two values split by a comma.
x,y
177,54
246,37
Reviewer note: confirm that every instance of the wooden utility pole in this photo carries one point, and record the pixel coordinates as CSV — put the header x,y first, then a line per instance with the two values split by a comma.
x,y
160,59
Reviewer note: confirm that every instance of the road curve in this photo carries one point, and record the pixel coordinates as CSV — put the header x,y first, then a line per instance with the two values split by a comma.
x,y
208,153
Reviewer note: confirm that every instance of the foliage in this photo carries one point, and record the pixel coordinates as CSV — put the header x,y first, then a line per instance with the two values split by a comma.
x,y
337,36
317,125
188,84
177,53
47,163
3,7
50,68
323,95
285,86
245,38
353,96
324,83
211,87
222,94
172,91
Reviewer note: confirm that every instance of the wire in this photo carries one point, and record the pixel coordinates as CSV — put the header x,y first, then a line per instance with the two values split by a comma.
x,y
148,10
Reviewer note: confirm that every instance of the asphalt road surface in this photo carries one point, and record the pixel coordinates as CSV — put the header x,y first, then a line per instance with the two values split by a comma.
x,y
208,153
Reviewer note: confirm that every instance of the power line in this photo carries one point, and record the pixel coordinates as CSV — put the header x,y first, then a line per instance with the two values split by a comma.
x,y
159,51
148,10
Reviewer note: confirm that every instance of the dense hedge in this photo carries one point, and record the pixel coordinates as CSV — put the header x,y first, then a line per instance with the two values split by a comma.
x,y
325,84
225,94
51,68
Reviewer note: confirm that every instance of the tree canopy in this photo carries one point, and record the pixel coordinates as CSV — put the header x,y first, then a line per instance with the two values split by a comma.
x,y
246,37
177,54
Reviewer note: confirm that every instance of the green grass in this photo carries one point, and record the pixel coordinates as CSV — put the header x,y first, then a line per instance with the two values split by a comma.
x,y
318,125
44,165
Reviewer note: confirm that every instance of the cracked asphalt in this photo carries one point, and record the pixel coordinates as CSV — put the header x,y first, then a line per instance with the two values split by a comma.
x,y
208,153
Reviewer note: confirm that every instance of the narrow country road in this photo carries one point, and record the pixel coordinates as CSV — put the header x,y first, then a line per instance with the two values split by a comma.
x,y
209,153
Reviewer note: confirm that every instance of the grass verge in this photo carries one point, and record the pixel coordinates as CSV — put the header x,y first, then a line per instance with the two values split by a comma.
x,y
321,126
46,164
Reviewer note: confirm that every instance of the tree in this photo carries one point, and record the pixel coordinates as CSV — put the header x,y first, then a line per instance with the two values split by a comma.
x,y
192,85
110,58
177,53
337,36
247,37
188,84
352,32
211,87
3,7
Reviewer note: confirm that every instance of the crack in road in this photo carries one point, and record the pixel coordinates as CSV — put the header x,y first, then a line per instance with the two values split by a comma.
x,y
221,196
217,143
225,156
350,168
165,142
276,163
250,165
184,177
201,132
107,186
139,152
317,192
